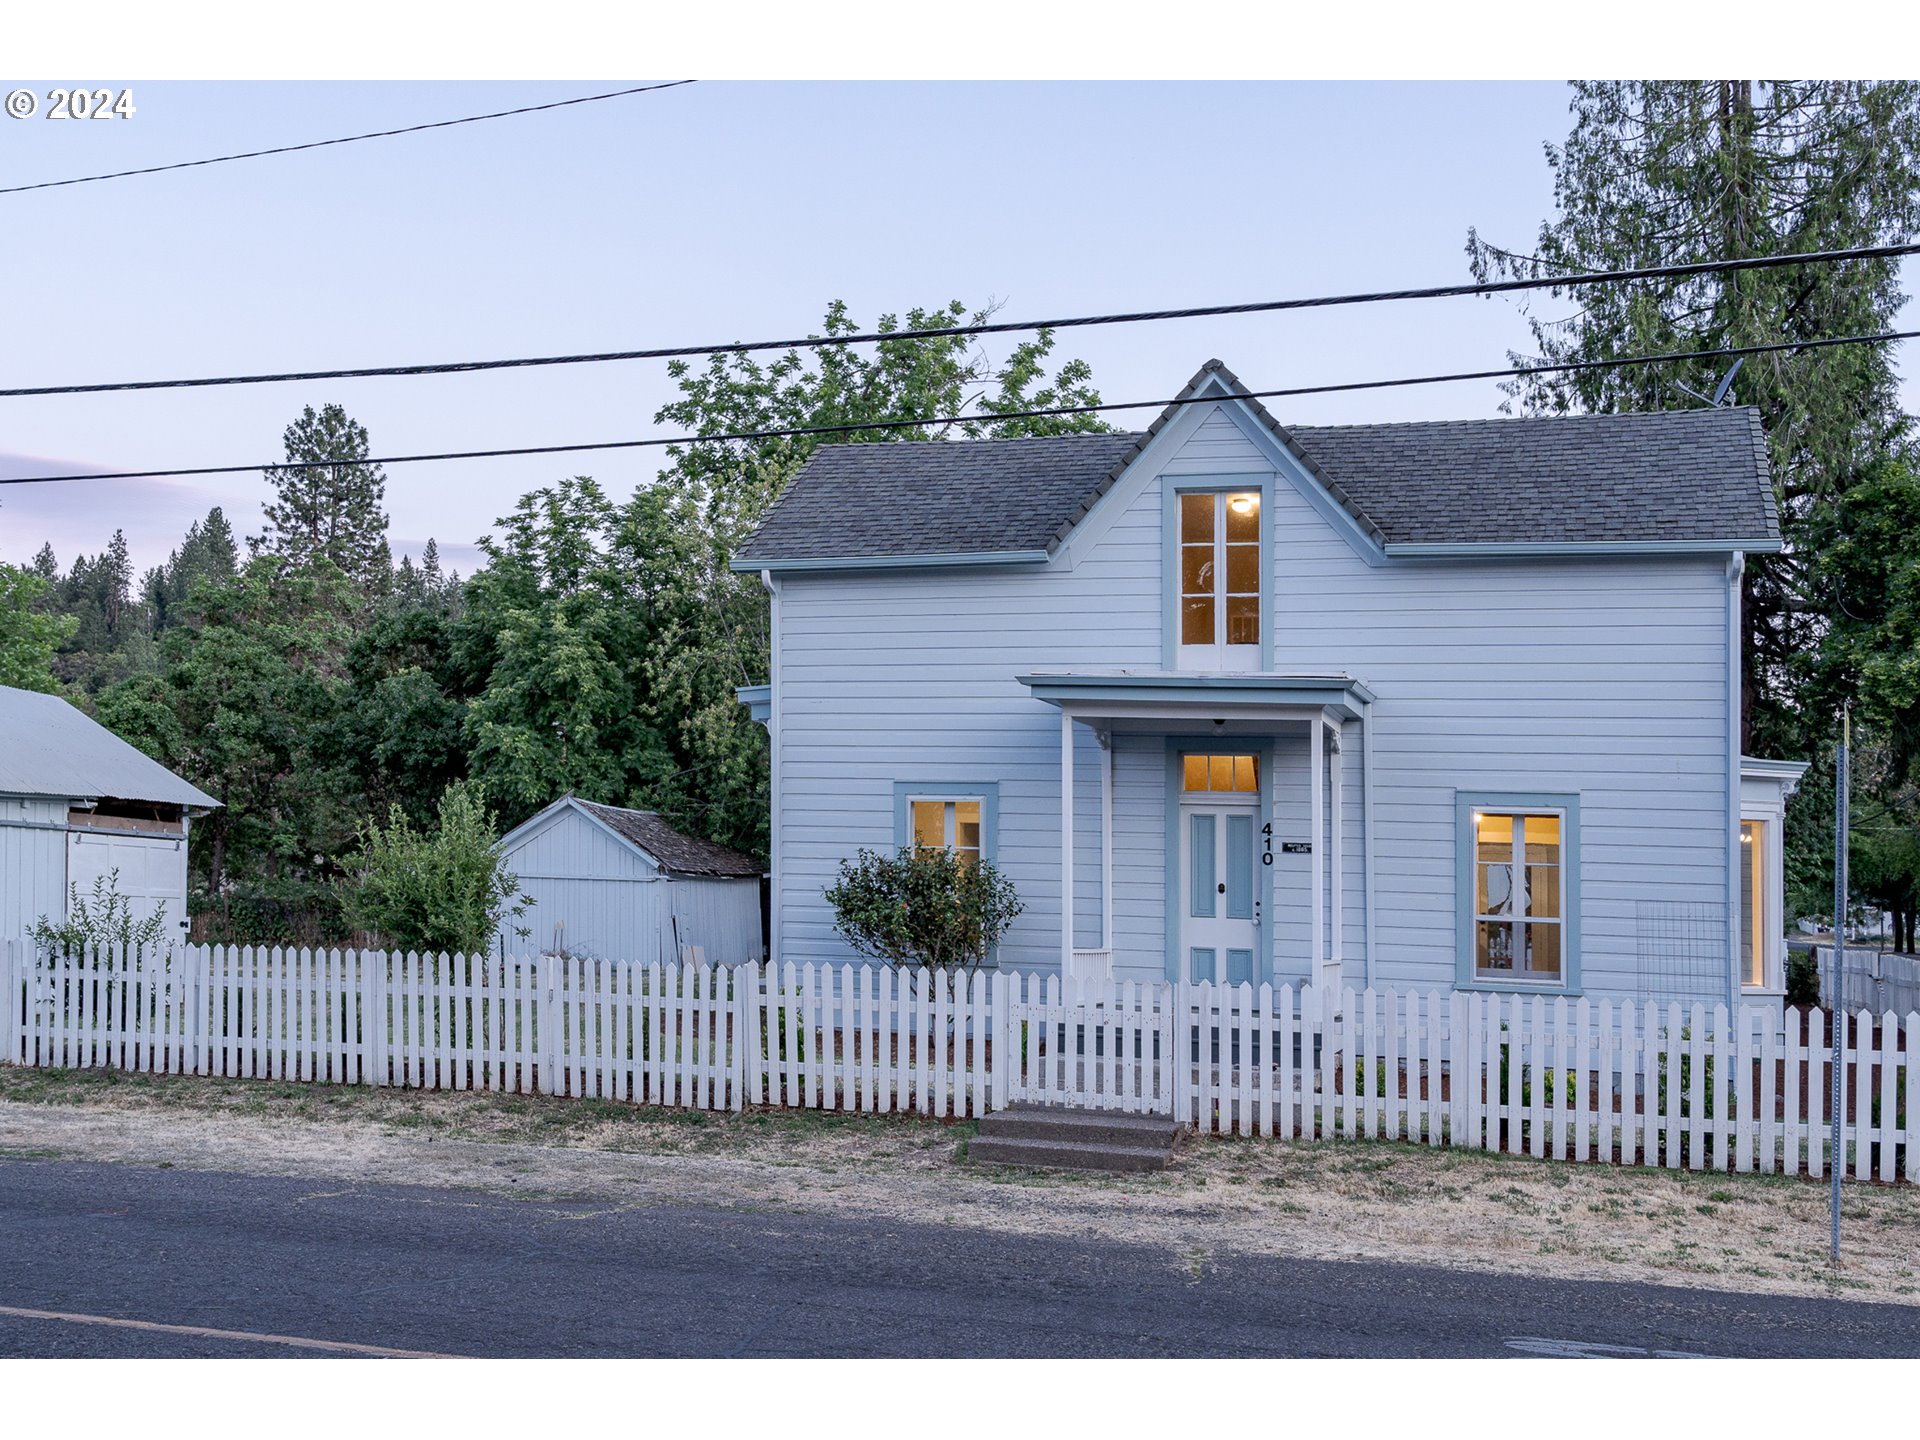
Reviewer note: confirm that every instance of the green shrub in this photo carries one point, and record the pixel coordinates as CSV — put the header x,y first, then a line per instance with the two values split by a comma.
x,y
104,917
922,906
441,889
1803,978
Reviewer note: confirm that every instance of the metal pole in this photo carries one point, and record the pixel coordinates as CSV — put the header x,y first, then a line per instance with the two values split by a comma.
x,y
1835,1009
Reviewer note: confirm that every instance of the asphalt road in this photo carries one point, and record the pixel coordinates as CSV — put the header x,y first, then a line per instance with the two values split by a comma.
x,y
346,1270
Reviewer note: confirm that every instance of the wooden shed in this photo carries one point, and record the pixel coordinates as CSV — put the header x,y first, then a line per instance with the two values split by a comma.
x,y
78,803
625,885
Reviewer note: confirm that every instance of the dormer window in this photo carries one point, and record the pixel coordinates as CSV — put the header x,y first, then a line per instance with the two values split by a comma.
x,y
1219,600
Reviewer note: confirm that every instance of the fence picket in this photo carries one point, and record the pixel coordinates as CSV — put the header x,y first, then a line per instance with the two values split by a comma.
x,y
1860,1056
1719,1088
1910,1064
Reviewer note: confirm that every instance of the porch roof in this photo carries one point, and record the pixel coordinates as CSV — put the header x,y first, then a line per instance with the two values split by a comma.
x,y
1121,692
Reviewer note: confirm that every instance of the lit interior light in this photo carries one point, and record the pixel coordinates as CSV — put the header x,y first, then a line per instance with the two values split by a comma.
x,y
1243,504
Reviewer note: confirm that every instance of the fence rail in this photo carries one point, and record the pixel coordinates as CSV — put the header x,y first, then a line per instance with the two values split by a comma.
x,y
1580,1080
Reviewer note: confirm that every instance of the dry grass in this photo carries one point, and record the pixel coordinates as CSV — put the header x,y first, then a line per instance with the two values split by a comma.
x,y
1334,1200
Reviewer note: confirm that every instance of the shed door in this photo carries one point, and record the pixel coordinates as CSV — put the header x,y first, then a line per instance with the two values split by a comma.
x,y
153,872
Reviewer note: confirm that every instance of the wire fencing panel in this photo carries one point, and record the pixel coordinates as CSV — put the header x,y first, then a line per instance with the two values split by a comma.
x,y
1635,1082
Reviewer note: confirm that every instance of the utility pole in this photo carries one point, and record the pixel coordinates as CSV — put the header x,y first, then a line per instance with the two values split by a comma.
x,y
1836,1012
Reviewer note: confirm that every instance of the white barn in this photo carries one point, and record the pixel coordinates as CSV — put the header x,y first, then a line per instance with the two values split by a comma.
x,y
625,885
78,803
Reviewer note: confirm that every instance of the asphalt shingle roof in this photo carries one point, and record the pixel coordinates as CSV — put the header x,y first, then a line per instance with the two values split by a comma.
x,y
681,854
1690,475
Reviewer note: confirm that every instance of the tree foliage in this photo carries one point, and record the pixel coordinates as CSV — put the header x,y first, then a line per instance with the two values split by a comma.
x,y
29,637
922,906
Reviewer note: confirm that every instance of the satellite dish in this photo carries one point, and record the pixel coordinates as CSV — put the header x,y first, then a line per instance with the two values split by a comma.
x,y
1720,390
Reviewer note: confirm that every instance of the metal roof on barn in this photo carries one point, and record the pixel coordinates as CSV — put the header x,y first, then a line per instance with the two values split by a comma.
x,y
47,747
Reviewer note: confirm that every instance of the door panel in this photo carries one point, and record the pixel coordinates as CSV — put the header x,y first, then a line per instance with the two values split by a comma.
x,y
1200,867
1220,917
1239,866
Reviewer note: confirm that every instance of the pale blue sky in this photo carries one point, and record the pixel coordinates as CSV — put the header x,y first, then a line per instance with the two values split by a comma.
x,y
716,211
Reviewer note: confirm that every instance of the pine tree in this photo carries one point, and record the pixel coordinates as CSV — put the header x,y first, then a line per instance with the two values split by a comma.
x,y
330,511
115,579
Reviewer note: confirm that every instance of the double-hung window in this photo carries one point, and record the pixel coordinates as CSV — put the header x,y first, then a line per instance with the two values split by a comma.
x,y
946,823
1519,918
1217,606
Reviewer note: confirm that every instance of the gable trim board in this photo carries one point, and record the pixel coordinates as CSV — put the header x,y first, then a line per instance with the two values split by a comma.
x,y
893,562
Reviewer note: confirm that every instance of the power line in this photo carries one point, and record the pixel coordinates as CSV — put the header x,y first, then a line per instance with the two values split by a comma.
x,y
998,327
344,139
804,431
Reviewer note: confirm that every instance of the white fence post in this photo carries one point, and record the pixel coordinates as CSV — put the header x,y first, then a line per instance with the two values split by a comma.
x,y
10,1003
735,976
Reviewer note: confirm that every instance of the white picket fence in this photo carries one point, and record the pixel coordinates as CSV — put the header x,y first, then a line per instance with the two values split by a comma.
x,y
1591,1081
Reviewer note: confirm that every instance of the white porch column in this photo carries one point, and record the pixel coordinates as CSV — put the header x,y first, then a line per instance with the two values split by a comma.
x,y
1367,858
1066,843
1337,859
1317,812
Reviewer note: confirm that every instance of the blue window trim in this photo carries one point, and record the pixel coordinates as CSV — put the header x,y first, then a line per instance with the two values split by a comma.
x,y
987,791
1172,487
1175,899
1465,802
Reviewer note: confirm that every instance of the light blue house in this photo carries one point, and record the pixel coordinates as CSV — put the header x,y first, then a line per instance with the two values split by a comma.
x,y
1435,704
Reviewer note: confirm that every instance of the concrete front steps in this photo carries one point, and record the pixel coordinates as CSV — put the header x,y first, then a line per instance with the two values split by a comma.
x,y
1057,1137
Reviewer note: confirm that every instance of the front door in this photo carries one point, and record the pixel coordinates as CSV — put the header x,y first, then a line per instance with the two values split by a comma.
x,y
1219,899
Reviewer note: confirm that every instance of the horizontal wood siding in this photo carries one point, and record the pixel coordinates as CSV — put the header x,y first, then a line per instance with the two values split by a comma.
x,y
1605,677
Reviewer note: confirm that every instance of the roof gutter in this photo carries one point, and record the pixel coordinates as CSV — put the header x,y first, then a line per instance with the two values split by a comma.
x,y
1423,549
802,564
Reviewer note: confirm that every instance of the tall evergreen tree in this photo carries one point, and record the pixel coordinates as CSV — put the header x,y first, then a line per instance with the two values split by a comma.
x,y
329,502
1667,173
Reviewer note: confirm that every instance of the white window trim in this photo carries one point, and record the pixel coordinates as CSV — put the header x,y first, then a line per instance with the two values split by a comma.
x,y
1517,915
